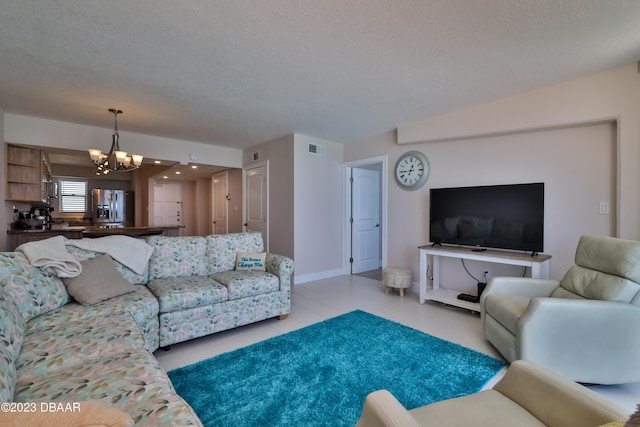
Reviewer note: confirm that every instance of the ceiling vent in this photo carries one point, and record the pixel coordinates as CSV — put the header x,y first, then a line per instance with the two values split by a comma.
x,y
316,149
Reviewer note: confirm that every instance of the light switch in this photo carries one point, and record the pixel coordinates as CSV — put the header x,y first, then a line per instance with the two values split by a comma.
x,y
604,208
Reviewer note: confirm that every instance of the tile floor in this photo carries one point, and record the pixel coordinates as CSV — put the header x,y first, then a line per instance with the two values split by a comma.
x,y
316,301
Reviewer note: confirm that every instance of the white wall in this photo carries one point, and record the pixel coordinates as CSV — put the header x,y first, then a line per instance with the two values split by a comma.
x,y
561,159
580,164
318,207
305,203
50,133
279,153
613,94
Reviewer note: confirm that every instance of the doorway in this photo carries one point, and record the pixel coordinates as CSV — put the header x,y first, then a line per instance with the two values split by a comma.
x,y
257,200
220,198
365,215
167,203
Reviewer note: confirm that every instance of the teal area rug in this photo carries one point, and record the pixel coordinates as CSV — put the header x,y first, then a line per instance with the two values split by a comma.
x,y
320,375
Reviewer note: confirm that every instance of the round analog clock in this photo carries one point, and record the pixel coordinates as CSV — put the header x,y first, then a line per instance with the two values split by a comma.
x,y
412,170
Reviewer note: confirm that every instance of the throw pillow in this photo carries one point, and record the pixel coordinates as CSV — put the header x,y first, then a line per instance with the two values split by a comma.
x,y
99,280
251,261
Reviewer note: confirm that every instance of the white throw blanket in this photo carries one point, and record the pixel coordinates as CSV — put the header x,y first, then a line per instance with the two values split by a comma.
x,y
128,251
51,253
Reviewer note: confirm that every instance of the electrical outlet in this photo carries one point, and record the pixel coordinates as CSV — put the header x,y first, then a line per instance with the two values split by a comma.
x,y
487,274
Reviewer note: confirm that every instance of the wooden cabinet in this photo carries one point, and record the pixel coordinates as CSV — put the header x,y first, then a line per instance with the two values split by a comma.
x,y
24,175
18,237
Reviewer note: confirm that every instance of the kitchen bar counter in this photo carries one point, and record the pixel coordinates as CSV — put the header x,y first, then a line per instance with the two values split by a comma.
x,y
127,231
20,236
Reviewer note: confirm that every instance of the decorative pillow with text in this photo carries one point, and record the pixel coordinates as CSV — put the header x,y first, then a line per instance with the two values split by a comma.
x,y
251,261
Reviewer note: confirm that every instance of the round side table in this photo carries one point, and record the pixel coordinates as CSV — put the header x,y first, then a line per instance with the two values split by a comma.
x,y
396,278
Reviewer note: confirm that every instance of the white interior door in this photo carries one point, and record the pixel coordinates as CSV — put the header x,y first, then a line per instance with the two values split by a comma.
x,y
366,227
220,208
257,201
167,203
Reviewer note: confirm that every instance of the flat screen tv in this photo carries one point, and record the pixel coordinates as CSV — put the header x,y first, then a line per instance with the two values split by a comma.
x,y
494,216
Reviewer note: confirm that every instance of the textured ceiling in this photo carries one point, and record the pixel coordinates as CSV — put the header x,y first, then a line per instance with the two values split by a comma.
x,y
241,72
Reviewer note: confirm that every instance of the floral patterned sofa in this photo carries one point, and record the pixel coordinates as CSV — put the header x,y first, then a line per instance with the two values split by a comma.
x,y
200,291
54,349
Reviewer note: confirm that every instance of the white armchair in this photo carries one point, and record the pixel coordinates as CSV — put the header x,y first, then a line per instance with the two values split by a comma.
x,y
585,327
527,395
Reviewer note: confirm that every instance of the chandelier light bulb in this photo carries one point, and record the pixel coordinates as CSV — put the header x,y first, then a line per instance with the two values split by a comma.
x,y
122,162
95,154
120,156
137,159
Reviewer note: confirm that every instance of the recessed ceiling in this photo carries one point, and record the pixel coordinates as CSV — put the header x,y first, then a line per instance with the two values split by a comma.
x,y
238,73
173,171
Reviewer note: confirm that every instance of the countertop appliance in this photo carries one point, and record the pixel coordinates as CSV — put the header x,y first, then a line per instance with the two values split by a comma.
x,y
112,208
38,218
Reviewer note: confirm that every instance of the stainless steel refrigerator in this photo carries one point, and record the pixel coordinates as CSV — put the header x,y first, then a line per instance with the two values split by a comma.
x,y
112,208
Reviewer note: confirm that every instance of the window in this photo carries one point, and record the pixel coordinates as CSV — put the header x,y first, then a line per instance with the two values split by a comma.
x,y
73,195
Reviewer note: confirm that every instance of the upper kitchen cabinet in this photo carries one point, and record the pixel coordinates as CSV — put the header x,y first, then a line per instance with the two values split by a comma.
x,y
27,174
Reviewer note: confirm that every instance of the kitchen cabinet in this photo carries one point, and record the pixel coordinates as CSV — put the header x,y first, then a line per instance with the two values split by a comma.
x,y
18,237
24,175
28,175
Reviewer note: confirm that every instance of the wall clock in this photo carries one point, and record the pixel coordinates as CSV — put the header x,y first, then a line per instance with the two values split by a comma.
x,y
412,170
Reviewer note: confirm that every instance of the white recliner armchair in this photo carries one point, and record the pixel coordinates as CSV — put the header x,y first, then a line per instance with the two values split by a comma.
x,y
527,396
585,327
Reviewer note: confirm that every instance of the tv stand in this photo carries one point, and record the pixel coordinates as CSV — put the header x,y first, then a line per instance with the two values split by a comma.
x,y
430,260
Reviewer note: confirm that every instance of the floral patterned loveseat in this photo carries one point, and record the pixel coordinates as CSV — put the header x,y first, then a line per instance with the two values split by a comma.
x,y
200,291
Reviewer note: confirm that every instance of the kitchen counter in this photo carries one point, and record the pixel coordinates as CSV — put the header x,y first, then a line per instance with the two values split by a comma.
x,y
40,231
127,231
20,236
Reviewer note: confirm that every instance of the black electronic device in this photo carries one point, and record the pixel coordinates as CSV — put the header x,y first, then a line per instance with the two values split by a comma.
x,y
468,297
495,216
473,298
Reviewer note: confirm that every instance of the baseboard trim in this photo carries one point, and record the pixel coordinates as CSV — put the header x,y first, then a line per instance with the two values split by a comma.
x,y
303,278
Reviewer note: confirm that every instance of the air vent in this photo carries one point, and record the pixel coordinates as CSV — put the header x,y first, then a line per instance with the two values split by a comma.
x,y
255,156
318,150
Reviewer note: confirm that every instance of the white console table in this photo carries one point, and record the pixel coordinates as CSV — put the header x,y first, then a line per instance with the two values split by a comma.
x,y
430,257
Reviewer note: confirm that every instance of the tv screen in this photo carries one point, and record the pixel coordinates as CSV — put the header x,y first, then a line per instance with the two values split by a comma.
x,y
495,216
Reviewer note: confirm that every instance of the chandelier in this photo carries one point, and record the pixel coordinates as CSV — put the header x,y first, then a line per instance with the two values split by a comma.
x,y
116,160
